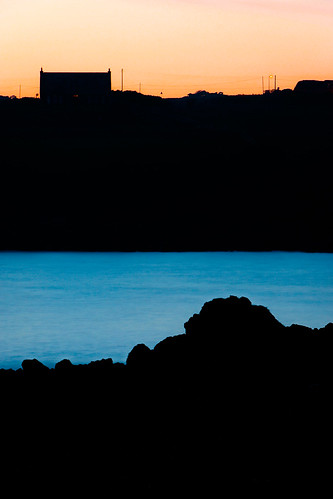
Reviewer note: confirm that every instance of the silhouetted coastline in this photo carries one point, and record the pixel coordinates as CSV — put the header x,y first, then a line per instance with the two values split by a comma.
x,y
237,404
142,173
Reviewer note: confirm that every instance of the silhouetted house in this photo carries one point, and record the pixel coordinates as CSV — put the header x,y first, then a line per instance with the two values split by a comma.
x,y
58,88
314,87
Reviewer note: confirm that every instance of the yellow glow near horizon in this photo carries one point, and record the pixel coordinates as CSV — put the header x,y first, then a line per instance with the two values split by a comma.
x,y
169,46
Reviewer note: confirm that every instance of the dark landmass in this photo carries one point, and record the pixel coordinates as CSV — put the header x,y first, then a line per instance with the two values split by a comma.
x,y
205,172
238,404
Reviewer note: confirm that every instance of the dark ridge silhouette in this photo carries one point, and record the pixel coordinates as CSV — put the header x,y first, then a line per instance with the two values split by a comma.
x,y
204,172
238,404
315,87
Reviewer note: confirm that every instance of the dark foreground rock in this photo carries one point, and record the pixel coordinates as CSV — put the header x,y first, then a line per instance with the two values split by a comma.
x,y
238,404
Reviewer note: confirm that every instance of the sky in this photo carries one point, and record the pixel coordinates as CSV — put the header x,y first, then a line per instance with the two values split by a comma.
x,y
173,47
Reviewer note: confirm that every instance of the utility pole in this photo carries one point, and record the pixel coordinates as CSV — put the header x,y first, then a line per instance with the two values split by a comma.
x,y
122,80
263,84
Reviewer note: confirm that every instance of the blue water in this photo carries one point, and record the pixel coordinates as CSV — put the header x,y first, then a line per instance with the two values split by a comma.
x,y
86,306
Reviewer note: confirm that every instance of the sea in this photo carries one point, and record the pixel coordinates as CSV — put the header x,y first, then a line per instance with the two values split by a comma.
x,y
88,306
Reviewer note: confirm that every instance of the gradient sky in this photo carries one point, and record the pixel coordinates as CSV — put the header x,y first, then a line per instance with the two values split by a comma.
x,y
169,46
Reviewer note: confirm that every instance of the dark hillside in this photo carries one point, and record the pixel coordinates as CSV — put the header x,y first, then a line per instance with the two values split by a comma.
x,y
206,172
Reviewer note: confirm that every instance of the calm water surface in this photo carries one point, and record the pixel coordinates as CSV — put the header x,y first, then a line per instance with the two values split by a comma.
x,y
86,306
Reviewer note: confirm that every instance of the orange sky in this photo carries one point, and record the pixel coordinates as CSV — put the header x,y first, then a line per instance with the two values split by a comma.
x,y
169,46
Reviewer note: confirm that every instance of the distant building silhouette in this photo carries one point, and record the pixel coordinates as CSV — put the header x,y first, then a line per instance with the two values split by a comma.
x,y
314,87
59,88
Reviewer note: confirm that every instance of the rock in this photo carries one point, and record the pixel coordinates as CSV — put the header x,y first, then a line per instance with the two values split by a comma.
x,y
30,365
139,357
220,317
101,364
239,402
64,364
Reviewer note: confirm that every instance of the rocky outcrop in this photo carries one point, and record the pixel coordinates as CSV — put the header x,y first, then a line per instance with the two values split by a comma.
x,y
237,404
33,366
241,343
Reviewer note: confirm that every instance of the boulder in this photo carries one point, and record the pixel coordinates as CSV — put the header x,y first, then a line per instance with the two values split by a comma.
x,y
33,365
